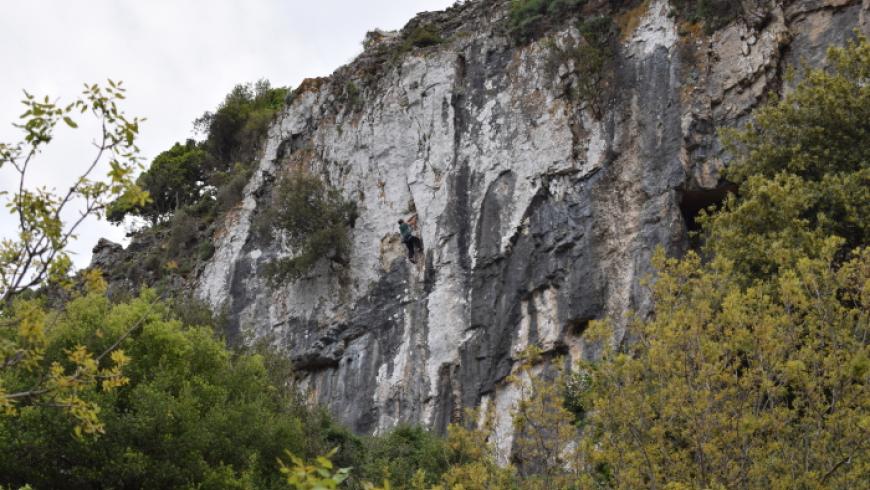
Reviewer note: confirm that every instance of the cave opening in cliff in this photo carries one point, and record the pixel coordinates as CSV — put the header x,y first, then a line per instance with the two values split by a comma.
x,y
692,202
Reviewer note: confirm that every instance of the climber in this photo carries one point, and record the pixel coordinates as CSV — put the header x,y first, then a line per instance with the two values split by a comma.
x,y
409,239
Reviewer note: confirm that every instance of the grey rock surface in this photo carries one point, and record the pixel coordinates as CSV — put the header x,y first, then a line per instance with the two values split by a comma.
x,y
536,216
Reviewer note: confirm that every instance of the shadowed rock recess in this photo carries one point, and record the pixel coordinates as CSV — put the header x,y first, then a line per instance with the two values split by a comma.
x,y
537,213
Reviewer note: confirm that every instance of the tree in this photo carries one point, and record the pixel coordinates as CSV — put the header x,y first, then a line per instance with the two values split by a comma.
x,y
741,387
804,166
233,131
207,176
755,370
193,415
401,454
38,254
175,178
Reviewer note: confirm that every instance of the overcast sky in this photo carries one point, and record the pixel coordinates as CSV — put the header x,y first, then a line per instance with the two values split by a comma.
x,y
176,58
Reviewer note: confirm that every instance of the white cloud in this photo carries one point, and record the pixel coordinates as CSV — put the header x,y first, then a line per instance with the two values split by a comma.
x,y
177,60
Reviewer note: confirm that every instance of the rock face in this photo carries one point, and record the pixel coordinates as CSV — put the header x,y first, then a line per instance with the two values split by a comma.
x,y
536,215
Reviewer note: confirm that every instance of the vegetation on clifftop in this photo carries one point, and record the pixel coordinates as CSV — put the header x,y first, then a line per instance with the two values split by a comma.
x,y
198,174
529,18
192,184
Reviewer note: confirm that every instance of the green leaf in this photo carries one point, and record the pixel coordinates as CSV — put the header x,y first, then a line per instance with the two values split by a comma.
x,y
69,122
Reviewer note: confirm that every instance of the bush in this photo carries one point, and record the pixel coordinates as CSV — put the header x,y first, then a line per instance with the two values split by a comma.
x,y
352,95
230,187
529,18
419,37
423,36
313,219
592,61
402,453
234,131
713,13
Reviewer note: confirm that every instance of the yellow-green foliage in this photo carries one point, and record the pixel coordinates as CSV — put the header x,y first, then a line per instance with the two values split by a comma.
x,y
755,371
473,462
758,387
314,476
804,167
543,428
35,253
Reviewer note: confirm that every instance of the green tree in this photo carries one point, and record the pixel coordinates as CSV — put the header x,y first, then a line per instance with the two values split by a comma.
x,y
175,178
400,454
193,414
208,176
38,254
234,131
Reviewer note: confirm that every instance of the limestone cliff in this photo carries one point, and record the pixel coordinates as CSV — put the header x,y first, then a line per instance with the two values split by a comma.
x,y
537,212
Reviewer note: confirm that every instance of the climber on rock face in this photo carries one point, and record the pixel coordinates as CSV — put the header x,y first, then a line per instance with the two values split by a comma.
x,y
409,239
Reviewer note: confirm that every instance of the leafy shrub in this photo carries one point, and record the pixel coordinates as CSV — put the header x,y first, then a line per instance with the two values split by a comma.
x,y
233,131
592,61
313,219
230,187
401,453
530,18
419,37
713,13
423,36
182,232
352,95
